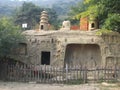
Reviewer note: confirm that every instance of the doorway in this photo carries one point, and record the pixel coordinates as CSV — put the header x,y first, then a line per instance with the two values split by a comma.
x,y
45,58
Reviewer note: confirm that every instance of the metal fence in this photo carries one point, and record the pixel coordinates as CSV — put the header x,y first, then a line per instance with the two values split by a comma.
x,y
54,74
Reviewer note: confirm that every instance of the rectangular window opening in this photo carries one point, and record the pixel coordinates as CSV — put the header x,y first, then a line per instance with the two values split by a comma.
x,y
45,58
42,27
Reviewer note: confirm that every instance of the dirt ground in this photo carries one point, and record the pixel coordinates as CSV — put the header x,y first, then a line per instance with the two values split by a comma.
x,y
33,86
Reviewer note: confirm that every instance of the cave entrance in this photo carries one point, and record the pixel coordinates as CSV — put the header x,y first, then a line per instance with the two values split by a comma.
x,y
83,54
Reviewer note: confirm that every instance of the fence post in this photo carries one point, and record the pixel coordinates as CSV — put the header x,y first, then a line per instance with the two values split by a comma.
x,y
98,74
105,73
115,73
66,70
85,74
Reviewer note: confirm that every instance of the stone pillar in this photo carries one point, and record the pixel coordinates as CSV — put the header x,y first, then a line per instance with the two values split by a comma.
x,y
44,21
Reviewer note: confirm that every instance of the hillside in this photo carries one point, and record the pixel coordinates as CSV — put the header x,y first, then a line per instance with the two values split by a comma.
x,y
38,2
61,7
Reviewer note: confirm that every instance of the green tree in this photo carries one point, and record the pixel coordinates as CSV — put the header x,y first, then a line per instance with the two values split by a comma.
x,y
53,18
10,36
28,13
74,12
112,22
103,10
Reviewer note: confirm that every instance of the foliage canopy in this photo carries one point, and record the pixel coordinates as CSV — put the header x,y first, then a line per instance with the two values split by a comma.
x,y
10,36
107,12
30,13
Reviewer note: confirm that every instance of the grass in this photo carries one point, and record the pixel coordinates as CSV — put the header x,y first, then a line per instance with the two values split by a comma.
x,y
103,31
75,82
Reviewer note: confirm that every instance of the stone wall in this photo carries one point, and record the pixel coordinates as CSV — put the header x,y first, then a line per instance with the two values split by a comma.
x,y
73,47
111,51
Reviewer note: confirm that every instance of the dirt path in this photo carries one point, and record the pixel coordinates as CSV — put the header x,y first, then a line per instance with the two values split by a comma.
x,y
32,86
26,86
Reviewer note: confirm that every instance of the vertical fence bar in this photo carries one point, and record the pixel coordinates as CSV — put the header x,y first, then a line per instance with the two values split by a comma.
x,y
37,70
25,72
74,72
62,78
95,74
85,74
105,74
71,71
30,71
108,74
74,69
98,72
53,69
77,71
118,74
115,73
13,77
110,78
43,75
9,71
49,74
40,80
66,70
55,74
52,76
47,71
59,75
81,72
46,76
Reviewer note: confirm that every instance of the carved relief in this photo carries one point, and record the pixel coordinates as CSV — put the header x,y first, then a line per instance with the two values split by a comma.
x,y
110,61
106,50
118,61
114,39
112,49
106,38
43,41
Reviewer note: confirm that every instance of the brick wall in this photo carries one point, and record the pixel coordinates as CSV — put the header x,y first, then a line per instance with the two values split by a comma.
x,y
84,23
75,27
